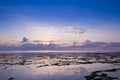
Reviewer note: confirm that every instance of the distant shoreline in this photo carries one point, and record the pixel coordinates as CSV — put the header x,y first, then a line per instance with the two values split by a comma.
x,y
59,51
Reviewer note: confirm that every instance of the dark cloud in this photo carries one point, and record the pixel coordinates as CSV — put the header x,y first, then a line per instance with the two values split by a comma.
x,y
37,41
24,40
75,43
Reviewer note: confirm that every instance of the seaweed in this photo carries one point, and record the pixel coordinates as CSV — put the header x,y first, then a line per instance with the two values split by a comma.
x,y
11,78
101,76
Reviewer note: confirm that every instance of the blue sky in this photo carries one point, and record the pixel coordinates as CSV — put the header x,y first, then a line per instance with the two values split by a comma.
x,y
60,20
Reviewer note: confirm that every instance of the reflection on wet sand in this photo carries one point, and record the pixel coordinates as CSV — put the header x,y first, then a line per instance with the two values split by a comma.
x,y
57,66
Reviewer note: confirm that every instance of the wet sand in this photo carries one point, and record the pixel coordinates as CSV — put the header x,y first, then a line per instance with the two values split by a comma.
x,y
60,66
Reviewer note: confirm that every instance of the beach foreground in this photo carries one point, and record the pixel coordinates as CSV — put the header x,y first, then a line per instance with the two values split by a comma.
x,y
60,66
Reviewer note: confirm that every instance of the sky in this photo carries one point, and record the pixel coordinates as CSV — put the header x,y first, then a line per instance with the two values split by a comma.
x,y
59,21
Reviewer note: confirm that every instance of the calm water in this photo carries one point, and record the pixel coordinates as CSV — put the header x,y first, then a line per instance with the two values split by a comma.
x,y
56,66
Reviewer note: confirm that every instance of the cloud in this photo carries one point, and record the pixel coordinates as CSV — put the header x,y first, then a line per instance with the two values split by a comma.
x,y
93,45
57,29
75,43
114,44
90,44
37,41
24,40
76,30
6,47
44,41
87,45
72,30
30,46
